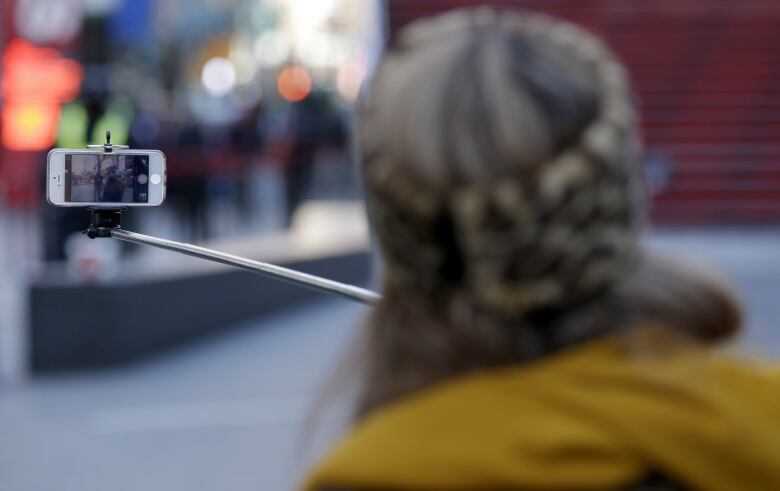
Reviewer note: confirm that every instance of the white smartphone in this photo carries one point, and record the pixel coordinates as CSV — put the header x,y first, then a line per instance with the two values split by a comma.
x,y
95,178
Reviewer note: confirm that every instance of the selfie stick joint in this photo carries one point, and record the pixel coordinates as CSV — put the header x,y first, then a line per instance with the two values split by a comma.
x,y
103,221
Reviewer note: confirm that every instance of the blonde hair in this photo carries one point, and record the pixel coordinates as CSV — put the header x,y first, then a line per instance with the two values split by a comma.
x,y
500,155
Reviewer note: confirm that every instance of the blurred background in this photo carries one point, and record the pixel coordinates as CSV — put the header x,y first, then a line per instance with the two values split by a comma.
x,y
130,368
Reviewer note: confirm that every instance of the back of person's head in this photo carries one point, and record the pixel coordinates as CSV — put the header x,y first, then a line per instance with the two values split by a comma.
x,y
502,165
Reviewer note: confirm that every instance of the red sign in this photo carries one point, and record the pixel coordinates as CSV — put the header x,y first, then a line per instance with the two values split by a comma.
x,y
36,81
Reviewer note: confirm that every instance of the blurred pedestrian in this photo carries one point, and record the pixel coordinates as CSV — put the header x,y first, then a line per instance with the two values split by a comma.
x,y
188,192
97,184
525,339
247,139
113,190
315,122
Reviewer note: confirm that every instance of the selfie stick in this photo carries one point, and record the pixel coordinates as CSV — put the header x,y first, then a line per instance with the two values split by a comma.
x,y
106,223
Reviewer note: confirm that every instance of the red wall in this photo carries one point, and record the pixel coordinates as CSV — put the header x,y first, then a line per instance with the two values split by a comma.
x,y
707,74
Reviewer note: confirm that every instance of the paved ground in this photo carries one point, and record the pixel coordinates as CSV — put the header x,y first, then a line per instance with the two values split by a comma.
x,y
226,414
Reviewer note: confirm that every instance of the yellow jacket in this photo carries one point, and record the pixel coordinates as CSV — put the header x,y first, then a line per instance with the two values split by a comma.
x,y
599,416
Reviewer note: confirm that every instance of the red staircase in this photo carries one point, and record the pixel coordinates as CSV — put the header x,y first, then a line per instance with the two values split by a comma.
x,y
707,73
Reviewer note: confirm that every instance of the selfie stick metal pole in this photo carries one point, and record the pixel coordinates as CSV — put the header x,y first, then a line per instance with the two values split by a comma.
x,y
106,222
315,282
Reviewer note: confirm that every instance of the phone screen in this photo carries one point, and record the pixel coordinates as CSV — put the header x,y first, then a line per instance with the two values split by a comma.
x,y
106,178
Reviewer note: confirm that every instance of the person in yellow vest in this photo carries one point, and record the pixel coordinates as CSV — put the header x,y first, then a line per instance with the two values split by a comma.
x,y
526,340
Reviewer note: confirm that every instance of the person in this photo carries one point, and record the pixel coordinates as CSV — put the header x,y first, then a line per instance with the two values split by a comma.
x,y
97,183
315,122
525,339
113,190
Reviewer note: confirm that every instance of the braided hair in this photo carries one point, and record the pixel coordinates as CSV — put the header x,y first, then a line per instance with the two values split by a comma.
x,y
501,162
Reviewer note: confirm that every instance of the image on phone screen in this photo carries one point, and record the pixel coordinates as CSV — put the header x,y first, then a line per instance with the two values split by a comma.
x,y
91,178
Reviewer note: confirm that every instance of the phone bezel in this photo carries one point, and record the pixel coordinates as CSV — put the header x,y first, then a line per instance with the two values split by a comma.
x,y
55,167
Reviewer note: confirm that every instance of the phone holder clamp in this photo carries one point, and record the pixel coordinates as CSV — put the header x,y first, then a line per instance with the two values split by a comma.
x,y
103,221
108,147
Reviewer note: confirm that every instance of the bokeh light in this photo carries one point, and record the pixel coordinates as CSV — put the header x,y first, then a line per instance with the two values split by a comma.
x,y
294,83
29,126
218,76
35,82
272,48
350,78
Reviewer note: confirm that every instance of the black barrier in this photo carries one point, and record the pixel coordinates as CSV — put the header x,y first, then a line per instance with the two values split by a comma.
x,y
91,326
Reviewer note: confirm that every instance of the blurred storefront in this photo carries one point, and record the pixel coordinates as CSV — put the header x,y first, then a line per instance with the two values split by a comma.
x,y
231,90
249,99
707,76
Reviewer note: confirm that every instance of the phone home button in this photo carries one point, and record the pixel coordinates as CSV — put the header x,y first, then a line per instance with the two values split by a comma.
x,y
156,179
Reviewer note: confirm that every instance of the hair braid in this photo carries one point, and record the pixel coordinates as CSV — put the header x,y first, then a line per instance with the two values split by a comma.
x,y
550,229
501,166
